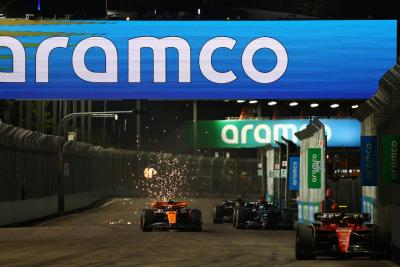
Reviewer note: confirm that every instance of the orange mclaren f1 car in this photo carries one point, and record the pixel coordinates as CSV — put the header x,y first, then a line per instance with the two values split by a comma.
x,y
170,215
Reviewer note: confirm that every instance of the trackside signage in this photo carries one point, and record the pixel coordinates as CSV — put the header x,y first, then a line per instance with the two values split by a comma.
x,y
257,133
368,150
314,167
194,59
391,158
294,173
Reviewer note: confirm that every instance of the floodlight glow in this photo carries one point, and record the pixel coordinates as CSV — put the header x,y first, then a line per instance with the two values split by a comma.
x,y
335,105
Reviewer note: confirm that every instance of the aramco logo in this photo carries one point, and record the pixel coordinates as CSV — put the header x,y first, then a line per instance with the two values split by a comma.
x,y
316,168
262,133
369,161
295,173
135,45
394,160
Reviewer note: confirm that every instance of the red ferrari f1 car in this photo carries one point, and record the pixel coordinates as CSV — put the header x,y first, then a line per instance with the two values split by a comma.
x,y
342,234
170,215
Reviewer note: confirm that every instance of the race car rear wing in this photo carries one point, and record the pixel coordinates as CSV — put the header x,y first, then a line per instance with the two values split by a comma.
x,y
346,218
170,205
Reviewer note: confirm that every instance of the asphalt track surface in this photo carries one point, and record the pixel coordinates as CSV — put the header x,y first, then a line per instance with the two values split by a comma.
x,y
110,236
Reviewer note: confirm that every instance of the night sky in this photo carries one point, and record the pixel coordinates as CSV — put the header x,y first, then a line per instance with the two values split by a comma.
x,y
213,9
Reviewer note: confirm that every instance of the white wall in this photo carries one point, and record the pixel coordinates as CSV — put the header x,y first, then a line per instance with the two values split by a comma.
x,y
24,210
30,209
81,200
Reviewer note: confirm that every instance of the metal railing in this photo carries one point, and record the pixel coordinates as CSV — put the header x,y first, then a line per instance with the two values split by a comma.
x,y
35,165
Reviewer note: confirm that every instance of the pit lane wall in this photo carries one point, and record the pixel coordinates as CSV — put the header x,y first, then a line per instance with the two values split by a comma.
x,y
380,117
312,168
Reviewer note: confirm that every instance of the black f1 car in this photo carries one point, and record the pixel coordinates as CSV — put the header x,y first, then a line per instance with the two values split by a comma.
x,y
224,213
342,234
170,216
262,216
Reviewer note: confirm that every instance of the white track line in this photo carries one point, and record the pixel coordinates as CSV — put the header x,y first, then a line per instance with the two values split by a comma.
x,y
75,214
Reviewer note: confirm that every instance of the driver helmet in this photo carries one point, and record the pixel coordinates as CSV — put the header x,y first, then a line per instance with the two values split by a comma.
x,y
329,193
334,207
262,200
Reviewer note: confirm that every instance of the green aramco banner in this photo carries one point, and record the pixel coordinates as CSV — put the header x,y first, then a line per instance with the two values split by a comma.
x,y
314,167
258,133
391,157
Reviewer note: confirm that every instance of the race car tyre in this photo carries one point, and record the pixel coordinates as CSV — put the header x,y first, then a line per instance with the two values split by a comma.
x,y
239,217
195,217
218,214
305,242
381,243
146,220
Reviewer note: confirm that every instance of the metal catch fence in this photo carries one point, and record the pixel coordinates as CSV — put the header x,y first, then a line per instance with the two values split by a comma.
x,y
35,165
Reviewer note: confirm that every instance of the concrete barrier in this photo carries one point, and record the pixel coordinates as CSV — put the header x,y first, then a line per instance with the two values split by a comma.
x,y
82,200
30,209
25,210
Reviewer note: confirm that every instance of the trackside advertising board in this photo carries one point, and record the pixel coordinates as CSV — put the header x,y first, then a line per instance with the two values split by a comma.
x,y
294,173
391,158
314,167
194,59
257,133
369,161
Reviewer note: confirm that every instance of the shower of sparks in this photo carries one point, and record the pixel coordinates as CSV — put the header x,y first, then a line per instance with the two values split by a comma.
x,y
172,179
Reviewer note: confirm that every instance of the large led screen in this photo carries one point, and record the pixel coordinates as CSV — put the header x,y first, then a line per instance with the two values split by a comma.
x,y
194,59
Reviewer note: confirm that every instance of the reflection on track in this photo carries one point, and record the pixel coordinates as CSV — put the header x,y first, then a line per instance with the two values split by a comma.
x,y
110,236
